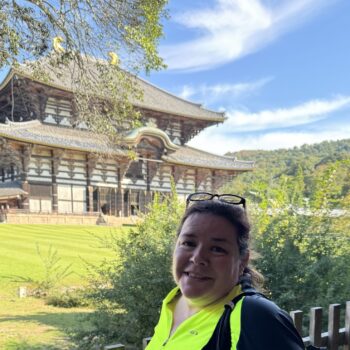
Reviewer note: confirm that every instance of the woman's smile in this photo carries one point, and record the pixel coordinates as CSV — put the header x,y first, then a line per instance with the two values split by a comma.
x,y
196,276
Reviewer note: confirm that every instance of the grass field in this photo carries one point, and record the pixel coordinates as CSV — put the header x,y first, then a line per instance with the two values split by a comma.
x,y
29,324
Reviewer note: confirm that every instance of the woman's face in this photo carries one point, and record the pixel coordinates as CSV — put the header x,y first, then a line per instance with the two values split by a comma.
x,y
206,262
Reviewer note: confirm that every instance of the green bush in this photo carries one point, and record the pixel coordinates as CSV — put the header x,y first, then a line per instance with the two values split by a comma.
x,y
127,291
68,299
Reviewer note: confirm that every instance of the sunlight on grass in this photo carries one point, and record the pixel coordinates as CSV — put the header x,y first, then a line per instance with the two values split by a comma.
x,y
18,253
29,323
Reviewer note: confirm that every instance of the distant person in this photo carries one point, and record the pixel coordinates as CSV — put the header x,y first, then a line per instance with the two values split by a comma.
x,y
215,305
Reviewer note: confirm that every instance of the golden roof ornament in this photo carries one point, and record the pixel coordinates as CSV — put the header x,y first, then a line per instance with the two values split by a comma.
x,y
57,40
114,58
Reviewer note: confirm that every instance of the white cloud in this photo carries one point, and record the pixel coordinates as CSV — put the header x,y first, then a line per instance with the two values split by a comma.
x,y
218,92
187,92
305,113
234,28
243,130
269,141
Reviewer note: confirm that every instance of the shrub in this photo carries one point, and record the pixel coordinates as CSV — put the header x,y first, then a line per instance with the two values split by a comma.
x,y
68,299
128,290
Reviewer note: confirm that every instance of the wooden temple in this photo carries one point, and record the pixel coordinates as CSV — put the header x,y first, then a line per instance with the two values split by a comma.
x,y
49,164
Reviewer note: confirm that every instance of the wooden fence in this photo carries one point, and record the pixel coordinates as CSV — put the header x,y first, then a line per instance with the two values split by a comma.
x,y
336,337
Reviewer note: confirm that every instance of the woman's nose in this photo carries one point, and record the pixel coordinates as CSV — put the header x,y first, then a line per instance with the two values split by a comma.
x,y
199,257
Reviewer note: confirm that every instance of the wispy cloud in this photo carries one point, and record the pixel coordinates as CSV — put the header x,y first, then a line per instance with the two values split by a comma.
x,y
234,28
273,140
304,113
244,130
218,92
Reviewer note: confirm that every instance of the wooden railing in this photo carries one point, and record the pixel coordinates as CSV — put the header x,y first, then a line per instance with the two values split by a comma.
x,y
336,337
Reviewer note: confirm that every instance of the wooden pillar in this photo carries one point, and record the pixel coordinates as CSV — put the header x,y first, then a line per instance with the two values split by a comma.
x,y
91,161
151,171
142,201
127,194
177,172
201,175
121,171
89,198
12,173
26,153
113,201
148,198
56,157
120,202
219,180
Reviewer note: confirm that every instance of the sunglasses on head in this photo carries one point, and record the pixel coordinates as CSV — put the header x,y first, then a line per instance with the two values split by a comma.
x,y
225,198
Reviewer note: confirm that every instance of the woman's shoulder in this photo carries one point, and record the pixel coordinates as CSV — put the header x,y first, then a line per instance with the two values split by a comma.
x,y
264,325
260,306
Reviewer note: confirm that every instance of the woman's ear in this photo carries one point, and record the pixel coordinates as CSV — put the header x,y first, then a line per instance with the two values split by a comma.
x,y
244,262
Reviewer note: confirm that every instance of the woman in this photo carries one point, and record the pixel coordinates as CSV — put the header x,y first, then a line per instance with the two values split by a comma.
x,y
211,269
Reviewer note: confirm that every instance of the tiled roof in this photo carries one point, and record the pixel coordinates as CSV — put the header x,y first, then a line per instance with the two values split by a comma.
x,y
154,98
11,189
163,101
191,156
55,136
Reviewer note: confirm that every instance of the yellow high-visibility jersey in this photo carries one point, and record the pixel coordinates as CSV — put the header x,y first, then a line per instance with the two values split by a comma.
x,y
255,323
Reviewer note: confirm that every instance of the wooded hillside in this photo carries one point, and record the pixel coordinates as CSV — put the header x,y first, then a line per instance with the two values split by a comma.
x,y
312,160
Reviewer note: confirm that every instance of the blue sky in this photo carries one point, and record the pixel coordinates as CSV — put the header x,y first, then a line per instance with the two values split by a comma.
x,y
280,69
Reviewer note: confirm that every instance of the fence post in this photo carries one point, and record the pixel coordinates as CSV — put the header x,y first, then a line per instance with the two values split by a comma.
x,y
333,326
297,317
347,326
316,326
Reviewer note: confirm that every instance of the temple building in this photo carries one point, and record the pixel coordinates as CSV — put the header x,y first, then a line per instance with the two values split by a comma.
x,y
49,164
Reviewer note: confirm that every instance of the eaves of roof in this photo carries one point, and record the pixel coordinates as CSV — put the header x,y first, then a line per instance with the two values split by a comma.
x,y
153,97
58,137
35,132
189,156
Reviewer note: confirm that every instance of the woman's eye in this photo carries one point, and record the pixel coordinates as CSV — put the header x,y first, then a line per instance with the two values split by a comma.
x,y
188,243
218,250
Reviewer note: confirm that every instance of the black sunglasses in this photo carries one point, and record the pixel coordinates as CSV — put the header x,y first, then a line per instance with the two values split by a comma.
x,y
205,196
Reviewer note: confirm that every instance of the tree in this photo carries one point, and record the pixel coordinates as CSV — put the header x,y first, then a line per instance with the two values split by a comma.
x,y
303,247
130,28
128,290
81,36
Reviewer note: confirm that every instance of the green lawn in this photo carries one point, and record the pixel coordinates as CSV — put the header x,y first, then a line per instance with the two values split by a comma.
x,y
28,323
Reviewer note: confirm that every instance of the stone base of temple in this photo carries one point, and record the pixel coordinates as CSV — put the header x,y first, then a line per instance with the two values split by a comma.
x,y
66,219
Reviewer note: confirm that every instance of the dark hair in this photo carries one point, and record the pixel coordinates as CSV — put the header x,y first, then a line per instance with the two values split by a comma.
x,y
238,217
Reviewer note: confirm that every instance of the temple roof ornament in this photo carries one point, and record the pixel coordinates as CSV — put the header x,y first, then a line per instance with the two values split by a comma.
x,y
134,137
